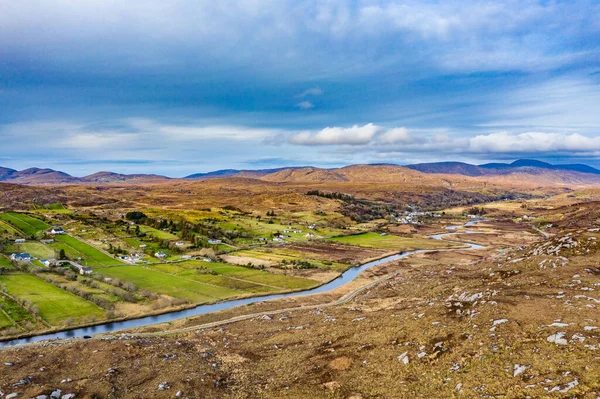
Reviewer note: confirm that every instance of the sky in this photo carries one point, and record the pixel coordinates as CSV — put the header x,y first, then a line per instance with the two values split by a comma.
x,y
185,86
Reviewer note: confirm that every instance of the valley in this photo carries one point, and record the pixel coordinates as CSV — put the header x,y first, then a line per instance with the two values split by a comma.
x,y
241,268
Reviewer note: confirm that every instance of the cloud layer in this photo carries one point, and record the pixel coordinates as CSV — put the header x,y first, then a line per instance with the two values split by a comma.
x,y
185,86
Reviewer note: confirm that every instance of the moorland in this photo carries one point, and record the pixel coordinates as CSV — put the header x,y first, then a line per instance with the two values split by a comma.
x,y
514,318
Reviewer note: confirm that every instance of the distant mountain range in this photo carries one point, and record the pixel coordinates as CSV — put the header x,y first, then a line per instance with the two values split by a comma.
x,y
389,173
521,165
250,173
51,176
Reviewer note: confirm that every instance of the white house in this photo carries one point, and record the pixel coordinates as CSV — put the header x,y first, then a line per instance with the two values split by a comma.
x,y
20,240
161,254
179,244
214,241
57,230
20,257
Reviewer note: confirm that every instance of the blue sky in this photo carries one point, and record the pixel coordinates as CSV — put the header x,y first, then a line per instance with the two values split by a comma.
x,y
187,86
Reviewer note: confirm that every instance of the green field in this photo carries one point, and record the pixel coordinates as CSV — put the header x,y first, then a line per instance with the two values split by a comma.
x,y
29,225
4,320
280,254
280,281
374,240
37,249
162,235
8,230
55,305
15,311
167,284
5,262
190,271
75,248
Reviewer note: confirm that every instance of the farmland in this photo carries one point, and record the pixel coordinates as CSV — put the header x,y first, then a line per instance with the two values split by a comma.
x,y
78,249
164,283
27,224
391,242
53,304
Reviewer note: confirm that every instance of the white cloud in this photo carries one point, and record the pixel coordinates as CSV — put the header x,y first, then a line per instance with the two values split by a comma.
x,y
355,135
314,91
504,142
305,105
397,135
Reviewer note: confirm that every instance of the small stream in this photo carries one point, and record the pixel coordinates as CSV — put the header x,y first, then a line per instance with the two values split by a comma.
x,y
343,279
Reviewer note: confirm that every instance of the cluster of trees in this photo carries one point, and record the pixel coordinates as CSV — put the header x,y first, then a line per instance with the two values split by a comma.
x,y
364,211
299,264
331,195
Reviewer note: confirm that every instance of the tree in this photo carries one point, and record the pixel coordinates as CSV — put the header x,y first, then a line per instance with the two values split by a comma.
x,y
62,255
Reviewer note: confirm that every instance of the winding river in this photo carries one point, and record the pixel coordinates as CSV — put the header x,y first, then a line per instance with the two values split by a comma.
x,y
343,279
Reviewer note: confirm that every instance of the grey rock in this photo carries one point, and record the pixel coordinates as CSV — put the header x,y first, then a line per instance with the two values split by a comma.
x,y
163,385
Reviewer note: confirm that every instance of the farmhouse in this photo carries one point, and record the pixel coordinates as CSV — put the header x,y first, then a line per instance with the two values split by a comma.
x,y
20,240
48,241
57,230
179,244
214,241
86,270
20,257
46,262
160,254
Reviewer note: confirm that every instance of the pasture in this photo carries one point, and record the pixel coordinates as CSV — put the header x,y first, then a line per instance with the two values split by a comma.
x,y
27,224
280,281
162,235
55,305
391,242
75,248
37,249
168,284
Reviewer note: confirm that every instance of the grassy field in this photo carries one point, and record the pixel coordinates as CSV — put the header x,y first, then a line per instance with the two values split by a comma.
x,y
256,276
8,230
75,248
163,235
29,225
167,284
5,262
15,311
36,249
4,320
280,254
190,271
55,305
374,240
